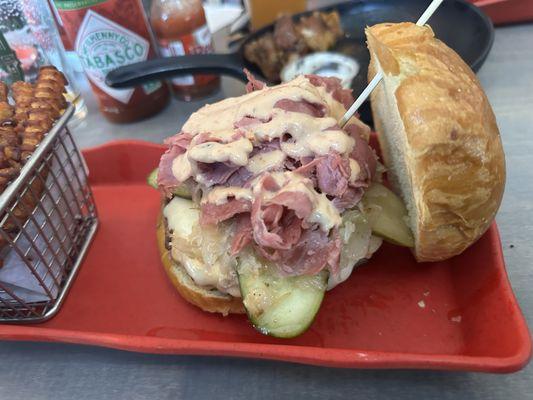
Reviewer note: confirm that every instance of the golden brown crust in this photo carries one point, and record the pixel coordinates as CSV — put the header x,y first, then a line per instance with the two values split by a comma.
x,y
22,93
46,105
453,151
208,300
6,110
22,128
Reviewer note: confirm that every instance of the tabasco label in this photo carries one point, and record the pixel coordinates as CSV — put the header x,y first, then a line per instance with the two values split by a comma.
x,y
104,44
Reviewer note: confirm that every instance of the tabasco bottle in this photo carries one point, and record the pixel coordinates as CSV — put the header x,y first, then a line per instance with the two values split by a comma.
x,y
181,28
108,34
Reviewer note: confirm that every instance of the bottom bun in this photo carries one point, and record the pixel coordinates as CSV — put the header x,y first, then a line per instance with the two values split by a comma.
x,y
209,300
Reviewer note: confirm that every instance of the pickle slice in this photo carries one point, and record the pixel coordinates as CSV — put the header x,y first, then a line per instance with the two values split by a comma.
x,y
182,191
389,215
276,305
151,179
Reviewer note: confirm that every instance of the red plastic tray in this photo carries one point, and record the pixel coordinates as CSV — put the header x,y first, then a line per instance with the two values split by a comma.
x,y
506,11
459,314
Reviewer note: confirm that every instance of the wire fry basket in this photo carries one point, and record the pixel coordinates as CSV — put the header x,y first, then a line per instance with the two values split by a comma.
x,y
47,220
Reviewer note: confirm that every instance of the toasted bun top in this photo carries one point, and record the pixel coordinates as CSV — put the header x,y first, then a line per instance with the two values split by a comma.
x,y
439,138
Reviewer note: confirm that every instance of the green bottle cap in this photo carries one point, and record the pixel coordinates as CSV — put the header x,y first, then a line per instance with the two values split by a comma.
x,y
9,63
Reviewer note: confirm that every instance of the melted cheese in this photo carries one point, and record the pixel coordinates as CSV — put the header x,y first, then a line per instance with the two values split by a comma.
x,y
181,215
205,269
265,161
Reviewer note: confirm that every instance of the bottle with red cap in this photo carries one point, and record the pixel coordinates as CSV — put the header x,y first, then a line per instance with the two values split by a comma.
x,y
107,34
181,28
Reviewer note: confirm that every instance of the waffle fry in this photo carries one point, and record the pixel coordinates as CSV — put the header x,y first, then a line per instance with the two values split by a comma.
x,y
51,87
46,105
22,127
22,93
6,110
9,140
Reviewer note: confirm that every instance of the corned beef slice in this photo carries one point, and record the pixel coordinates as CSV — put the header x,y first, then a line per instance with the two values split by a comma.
x,y
276,222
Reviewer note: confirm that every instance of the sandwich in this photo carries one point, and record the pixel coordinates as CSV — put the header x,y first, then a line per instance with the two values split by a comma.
x,y
267,202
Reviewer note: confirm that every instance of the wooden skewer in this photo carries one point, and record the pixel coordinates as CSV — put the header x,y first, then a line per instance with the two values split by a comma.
x,y
379,76
426,15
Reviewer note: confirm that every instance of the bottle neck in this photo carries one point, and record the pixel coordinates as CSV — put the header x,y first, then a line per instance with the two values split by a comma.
x,y
173,18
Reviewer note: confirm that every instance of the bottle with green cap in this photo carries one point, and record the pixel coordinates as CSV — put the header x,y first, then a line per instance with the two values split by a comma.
x,y
10,69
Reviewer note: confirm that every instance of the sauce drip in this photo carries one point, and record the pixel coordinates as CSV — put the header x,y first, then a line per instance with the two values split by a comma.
x,y
221,136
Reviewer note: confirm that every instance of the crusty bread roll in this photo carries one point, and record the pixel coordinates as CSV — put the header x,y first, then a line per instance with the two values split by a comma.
x,y
438,137
208,300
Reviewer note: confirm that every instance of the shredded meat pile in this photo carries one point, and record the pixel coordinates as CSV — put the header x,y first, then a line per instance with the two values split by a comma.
x,y
278,215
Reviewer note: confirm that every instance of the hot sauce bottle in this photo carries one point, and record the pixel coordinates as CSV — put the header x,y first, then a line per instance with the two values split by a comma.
x,y
181,28
108,34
